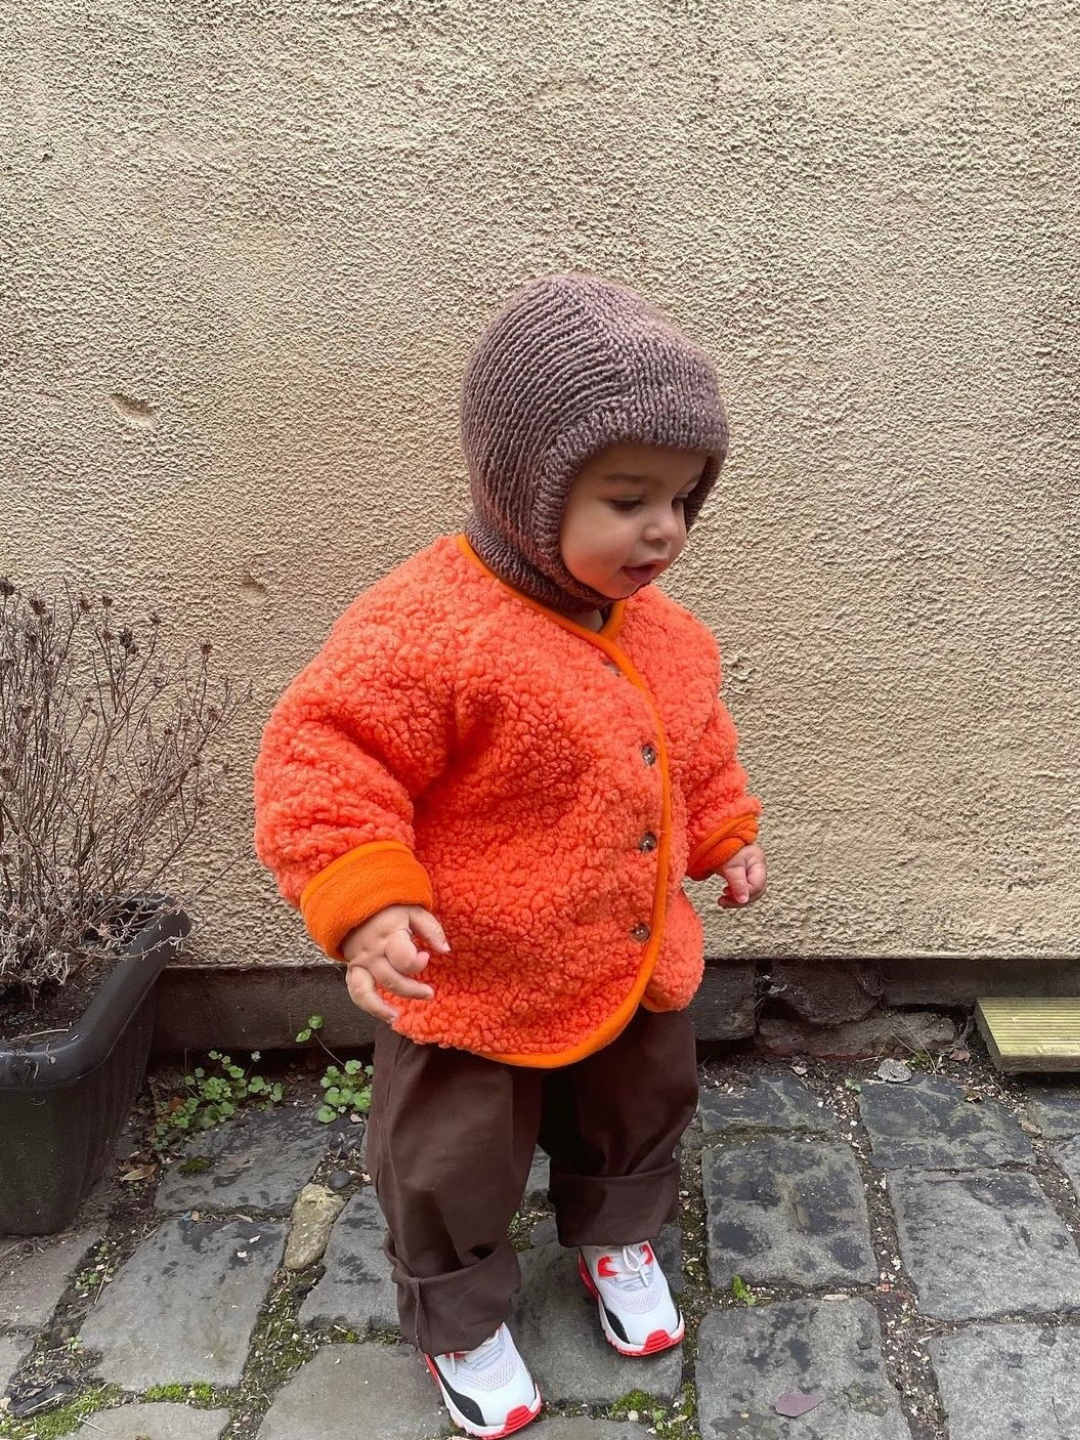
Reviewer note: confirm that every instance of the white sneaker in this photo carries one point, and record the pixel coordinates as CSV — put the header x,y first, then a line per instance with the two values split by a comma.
x,y
488,1391
637,1313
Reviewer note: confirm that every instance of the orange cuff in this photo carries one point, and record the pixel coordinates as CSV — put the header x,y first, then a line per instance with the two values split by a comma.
x,y
358,885
706,858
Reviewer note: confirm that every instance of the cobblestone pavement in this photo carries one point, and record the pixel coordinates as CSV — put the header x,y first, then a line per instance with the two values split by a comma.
x,y
898,1259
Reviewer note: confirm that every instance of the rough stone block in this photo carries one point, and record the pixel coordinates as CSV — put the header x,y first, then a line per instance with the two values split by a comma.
x,y
888,1032
259,1160
35,1273
782,1212
983,1243
358,1392
183,1307
998,1382
165,1421
356,1289
312,1219
960,980
773,1102
825,992
927,1124
557,1330
1055,1109
747,1359
724,1006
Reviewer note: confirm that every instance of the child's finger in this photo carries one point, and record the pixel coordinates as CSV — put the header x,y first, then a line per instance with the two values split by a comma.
x,y
390,978
428,928
403,955
361,988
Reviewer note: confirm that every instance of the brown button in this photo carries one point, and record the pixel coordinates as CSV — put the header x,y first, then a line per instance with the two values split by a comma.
x,y
647,842
648,754
641,932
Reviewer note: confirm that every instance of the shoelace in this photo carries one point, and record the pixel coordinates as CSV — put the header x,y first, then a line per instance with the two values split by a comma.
x,y
482,1358
632,1273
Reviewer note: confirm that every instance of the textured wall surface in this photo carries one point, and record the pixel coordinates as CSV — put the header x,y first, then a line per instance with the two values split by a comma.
x,y
246,246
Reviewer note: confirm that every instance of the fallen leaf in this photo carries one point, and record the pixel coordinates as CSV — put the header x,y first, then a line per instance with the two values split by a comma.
x,y
139,1172
959,1053
799,1069
798,1402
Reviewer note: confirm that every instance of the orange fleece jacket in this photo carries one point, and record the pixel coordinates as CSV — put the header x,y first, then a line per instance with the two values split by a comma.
x,y
542,788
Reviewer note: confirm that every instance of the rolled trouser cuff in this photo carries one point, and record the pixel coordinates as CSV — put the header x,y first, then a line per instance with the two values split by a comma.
x,y
459,1310
613,1210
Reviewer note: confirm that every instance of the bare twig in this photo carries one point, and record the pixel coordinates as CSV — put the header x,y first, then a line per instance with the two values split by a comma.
x,y
107,769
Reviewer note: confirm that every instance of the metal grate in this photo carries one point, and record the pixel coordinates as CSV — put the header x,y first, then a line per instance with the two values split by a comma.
x,y
1031,1032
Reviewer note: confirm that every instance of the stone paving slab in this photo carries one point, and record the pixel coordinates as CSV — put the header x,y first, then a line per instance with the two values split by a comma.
x,y
998,1382
13,1351
356,1288
557,1329
747,1359
983,1244
536,1187
1068,1157
783,1212
773,1102
183,1307
35,1273
581,1427
928,1125
358,1392
164,1421
1056,1110
260,1160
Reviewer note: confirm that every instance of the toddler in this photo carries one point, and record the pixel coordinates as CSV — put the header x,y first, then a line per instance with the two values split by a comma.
x,y
484,795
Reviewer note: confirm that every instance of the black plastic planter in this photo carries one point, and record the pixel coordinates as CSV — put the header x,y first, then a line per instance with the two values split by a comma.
x,y
63,1103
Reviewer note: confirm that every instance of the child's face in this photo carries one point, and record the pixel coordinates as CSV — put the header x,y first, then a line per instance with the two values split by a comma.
x,y
623,523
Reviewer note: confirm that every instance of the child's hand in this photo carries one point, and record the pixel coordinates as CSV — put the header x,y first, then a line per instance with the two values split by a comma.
x,y
745,874
382,950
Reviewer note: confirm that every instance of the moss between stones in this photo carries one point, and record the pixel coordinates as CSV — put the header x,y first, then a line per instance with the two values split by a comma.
x,y
63,1419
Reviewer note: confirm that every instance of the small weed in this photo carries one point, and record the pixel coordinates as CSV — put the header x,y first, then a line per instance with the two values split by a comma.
x,y
741,1291
211,1098
346,1083
850,1084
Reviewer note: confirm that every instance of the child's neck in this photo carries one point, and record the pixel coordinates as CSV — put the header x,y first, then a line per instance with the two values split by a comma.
x,y
594,620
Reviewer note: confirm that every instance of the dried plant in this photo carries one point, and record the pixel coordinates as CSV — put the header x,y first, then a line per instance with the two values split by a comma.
x,y
106,770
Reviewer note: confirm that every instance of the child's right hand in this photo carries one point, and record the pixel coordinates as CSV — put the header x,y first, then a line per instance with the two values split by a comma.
x,y
383,950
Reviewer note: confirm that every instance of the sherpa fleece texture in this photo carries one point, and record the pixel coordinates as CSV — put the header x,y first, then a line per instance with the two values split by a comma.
x,y
542,788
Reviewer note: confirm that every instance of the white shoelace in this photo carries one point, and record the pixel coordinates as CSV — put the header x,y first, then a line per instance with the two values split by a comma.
x,y
632,1269
489,1365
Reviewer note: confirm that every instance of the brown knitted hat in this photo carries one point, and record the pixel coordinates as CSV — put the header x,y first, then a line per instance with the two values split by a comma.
x,y
571,365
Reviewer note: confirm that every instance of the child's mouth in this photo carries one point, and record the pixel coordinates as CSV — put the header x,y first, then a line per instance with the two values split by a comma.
x,y
642,574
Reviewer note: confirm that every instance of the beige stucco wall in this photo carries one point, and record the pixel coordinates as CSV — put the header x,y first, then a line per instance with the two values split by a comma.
x,y
245,248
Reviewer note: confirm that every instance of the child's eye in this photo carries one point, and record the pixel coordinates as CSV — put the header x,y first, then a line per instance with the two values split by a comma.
x,y
630,503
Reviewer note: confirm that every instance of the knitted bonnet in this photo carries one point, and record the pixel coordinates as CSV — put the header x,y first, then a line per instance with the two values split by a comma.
x,y
571,365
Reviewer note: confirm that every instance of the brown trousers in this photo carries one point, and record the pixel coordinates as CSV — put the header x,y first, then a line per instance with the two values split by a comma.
x,y
450,1141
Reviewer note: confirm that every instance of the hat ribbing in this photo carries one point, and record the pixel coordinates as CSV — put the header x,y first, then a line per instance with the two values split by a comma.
x,y
571,365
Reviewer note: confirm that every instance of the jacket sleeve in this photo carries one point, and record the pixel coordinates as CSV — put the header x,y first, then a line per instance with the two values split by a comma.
x,y
722,815
356,737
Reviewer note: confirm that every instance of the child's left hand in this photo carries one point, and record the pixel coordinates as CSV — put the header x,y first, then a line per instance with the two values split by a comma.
x,y
745,874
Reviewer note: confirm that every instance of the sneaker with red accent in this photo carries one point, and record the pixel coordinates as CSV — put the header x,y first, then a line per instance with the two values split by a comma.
x,y
637,1313
488,1391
